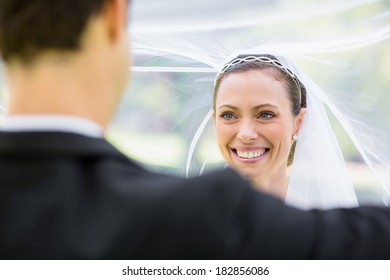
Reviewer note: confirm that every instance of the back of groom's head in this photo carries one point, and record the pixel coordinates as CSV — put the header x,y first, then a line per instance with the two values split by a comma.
x,y
29,27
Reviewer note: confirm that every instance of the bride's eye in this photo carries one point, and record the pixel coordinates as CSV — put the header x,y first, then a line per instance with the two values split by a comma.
x,y
227,116
266,115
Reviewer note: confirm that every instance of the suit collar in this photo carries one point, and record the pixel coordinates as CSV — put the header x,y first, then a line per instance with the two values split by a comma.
x,y
51,123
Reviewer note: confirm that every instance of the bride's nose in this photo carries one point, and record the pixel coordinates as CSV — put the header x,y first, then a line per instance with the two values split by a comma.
x,y
246,132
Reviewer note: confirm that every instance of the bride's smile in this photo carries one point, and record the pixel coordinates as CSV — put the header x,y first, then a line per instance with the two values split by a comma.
x,y
249,154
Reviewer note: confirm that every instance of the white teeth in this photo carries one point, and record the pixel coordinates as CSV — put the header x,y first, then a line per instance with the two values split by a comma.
x,y
251,154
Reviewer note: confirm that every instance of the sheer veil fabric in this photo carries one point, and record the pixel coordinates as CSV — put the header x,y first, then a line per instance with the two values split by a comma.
x,y
319,177
188,45
338,49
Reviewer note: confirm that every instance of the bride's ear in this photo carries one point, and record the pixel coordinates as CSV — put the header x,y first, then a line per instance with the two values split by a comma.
x,y
299,119
213,117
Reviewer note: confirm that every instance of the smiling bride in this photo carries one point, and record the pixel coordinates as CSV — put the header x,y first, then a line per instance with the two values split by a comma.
x,y
270,129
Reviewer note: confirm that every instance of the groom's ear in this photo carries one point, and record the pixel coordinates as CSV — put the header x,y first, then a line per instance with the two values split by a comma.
x,y
115,14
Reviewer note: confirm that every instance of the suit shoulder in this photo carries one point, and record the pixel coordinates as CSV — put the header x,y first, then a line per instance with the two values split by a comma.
x,y
227,179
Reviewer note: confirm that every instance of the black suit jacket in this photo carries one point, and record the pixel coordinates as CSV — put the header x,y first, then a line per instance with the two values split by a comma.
x,y
66,196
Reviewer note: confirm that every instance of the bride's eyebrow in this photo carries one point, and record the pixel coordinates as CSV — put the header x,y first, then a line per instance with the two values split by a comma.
x,y
229,106
265,105
254,108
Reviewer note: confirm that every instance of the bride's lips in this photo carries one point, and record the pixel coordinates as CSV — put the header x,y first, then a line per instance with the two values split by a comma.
x,y
249,154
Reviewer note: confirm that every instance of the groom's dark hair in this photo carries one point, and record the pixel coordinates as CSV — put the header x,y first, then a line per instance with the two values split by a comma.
x,y
28,27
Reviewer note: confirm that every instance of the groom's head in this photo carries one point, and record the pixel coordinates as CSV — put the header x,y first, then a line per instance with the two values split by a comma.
x,y
29,27
68,57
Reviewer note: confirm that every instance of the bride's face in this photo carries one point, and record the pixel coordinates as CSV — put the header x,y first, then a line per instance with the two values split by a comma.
x,y
254,124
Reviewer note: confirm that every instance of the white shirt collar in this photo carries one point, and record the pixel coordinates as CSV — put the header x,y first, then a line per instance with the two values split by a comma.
x,y
59,123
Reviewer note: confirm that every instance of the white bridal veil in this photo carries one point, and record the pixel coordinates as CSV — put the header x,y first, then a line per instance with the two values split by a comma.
x,y
340,50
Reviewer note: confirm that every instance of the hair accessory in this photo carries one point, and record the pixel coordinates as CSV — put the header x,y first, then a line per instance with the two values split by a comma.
x,y
264,59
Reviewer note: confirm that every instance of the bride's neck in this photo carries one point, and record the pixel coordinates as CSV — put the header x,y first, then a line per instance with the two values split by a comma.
x,y
276,185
